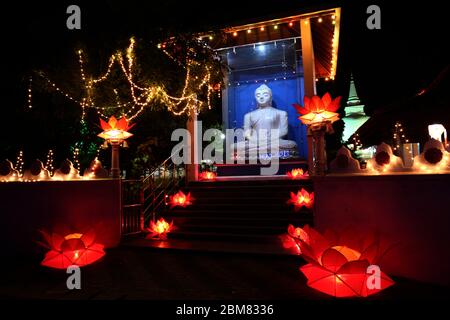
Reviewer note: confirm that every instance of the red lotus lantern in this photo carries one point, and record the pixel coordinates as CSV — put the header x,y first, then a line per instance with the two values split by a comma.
x,y
160,229
180,199
302,198
208,175
115,130
297,174
337,269
290,240
72,249
317,110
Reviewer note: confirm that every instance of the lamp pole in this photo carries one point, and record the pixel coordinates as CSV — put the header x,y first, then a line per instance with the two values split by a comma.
x,y
318,130
115,169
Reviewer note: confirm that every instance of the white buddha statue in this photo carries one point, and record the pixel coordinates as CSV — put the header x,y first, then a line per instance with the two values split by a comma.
x,y
260,123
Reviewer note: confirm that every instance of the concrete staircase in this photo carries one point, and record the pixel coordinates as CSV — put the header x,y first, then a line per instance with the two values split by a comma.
x,y
243,211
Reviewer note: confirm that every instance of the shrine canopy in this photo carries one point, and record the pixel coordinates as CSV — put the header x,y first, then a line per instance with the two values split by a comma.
x,y
288,54
324,26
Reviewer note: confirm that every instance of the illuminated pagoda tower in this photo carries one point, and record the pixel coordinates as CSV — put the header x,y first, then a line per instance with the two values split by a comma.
x,y
355,116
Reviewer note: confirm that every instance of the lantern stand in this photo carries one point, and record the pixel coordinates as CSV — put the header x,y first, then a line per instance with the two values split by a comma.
x,y
115,133
318,130
115,168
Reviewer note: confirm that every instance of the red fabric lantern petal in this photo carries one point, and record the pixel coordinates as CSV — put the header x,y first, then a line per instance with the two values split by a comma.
x,y
307,104
57,260
300,109
89,256
334,105
72,245
351,285
56,241
317,241
88,238
113,122
371,253
314,272
358,266
333,259
385,282
122,124
316,104
105,125
326,100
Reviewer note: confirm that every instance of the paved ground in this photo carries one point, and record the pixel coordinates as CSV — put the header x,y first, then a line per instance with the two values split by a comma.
x,y
145,273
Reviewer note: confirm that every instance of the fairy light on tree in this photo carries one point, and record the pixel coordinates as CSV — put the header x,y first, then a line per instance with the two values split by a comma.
x,y
30,101
19,163
49,163
356,145
398,138
141,96
76,160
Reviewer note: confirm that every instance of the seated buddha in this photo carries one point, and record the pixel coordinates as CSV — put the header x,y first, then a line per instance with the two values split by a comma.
x,y
265,127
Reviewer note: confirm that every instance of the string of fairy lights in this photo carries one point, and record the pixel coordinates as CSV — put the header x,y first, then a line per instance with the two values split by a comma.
x,y
321,18
76,159
19,163
30,101
356,142
398,136
141,96
49,163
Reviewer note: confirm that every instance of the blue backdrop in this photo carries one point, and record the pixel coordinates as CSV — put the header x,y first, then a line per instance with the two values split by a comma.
x,y
241,100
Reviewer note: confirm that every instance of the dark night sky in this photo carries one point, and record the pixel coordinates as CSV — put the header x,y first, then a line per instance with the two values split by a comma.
x,y
388,64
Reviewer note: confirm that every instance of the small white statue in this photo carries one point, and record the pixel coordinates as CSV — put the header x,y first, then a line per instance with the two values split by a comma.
x,y
434,158
385,160
95,171
259,123
7,171
66,172
344,162
37,172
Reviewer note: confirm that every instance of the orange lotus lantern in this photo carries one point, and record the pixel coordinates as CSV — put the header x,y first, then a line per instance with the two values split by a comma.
x,y
290,240
337,269
297,174
302,198
73,249
318,114
208,175
180,199
318,110
160,229
115,132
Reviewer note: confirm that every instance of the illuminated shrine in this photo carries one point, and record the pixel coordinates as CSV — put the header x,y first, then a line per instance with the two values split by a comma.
x,y
286,57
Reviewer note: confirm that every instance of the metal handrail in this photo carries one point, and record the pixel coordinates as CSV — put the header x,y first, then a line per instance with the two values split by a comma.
x,y
156,187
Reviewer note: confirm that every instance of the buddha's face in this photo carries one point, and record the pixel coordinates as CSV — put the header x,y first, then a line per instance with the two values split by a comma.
x,y
263,96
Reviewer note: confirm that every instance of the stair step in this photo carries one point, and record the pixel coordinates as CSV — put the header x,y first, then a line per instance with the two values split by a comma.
x,y
238,220
248,230
254,238
273,207
286,212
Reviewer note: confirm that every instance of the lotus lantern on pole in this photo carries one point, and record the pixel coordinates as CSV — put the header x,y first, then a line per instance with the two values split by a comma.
x,y
318,114
115,132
